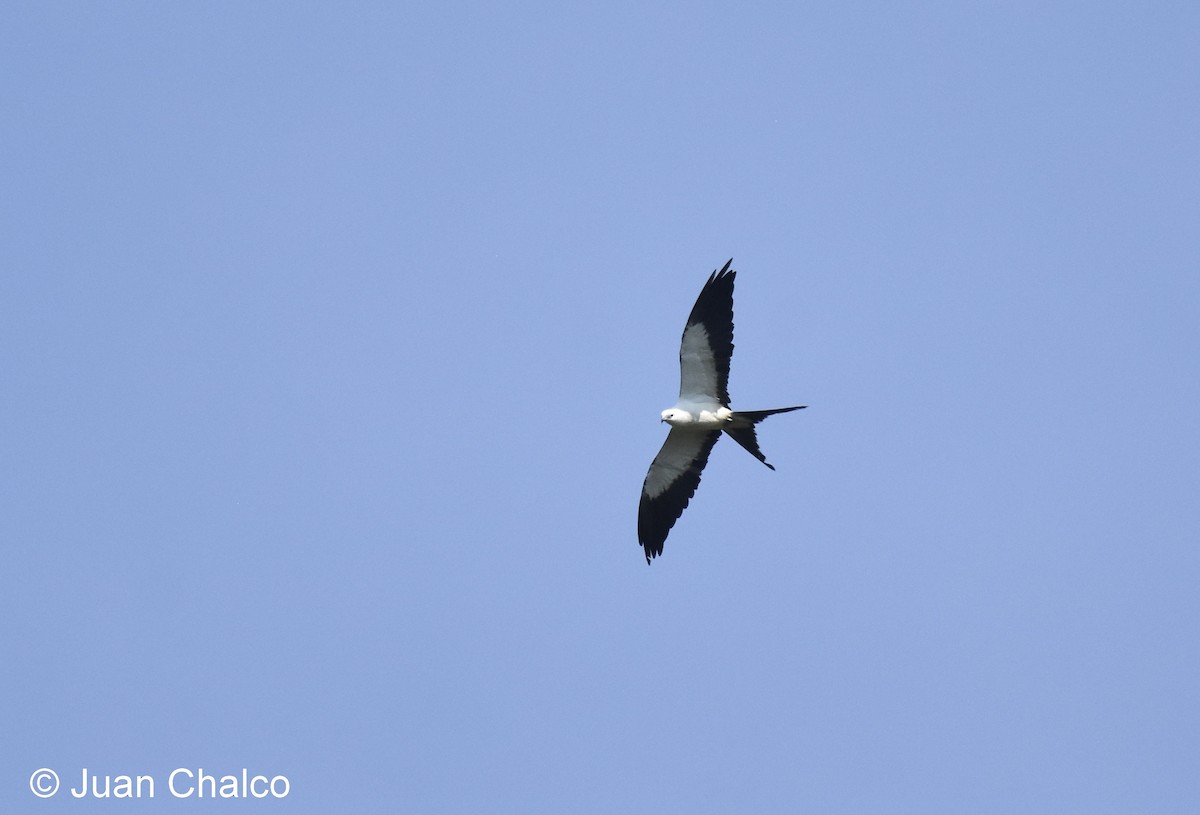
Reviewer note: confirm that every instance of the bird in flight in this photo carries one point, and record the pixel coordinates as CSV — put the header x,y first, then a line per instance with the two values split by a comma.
x,y
700,416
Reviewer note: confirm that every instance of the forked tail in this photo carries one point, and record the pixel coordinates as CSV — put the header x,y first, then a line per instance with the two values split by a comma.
x,y
741,428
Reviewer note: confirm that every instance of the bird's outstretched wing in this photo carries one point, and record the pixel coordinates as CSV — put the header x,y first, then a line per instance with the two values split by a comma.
x,y
671,483
707,343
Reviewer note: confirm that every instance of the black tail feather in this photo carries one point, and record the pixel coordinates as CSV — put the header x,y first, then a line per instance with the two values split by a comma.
x,y
741,429
756,416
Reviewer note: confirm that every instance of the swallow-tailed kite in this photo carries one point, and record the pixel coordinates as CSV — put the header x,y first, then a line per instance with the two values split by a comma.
x,y
700,415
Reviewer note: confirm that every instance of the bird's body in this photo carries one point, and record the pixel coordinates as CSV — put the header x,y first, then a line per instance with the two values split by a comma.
x,y
700,415
697,416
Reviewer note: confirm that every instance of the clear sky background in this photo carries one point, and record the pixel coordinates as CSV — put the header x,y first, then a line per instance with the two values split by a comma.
x,y
334,339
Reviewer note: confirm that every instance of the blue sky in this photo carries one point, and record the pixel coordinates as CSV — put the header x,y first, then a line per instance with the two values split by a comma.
x,y
334,343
